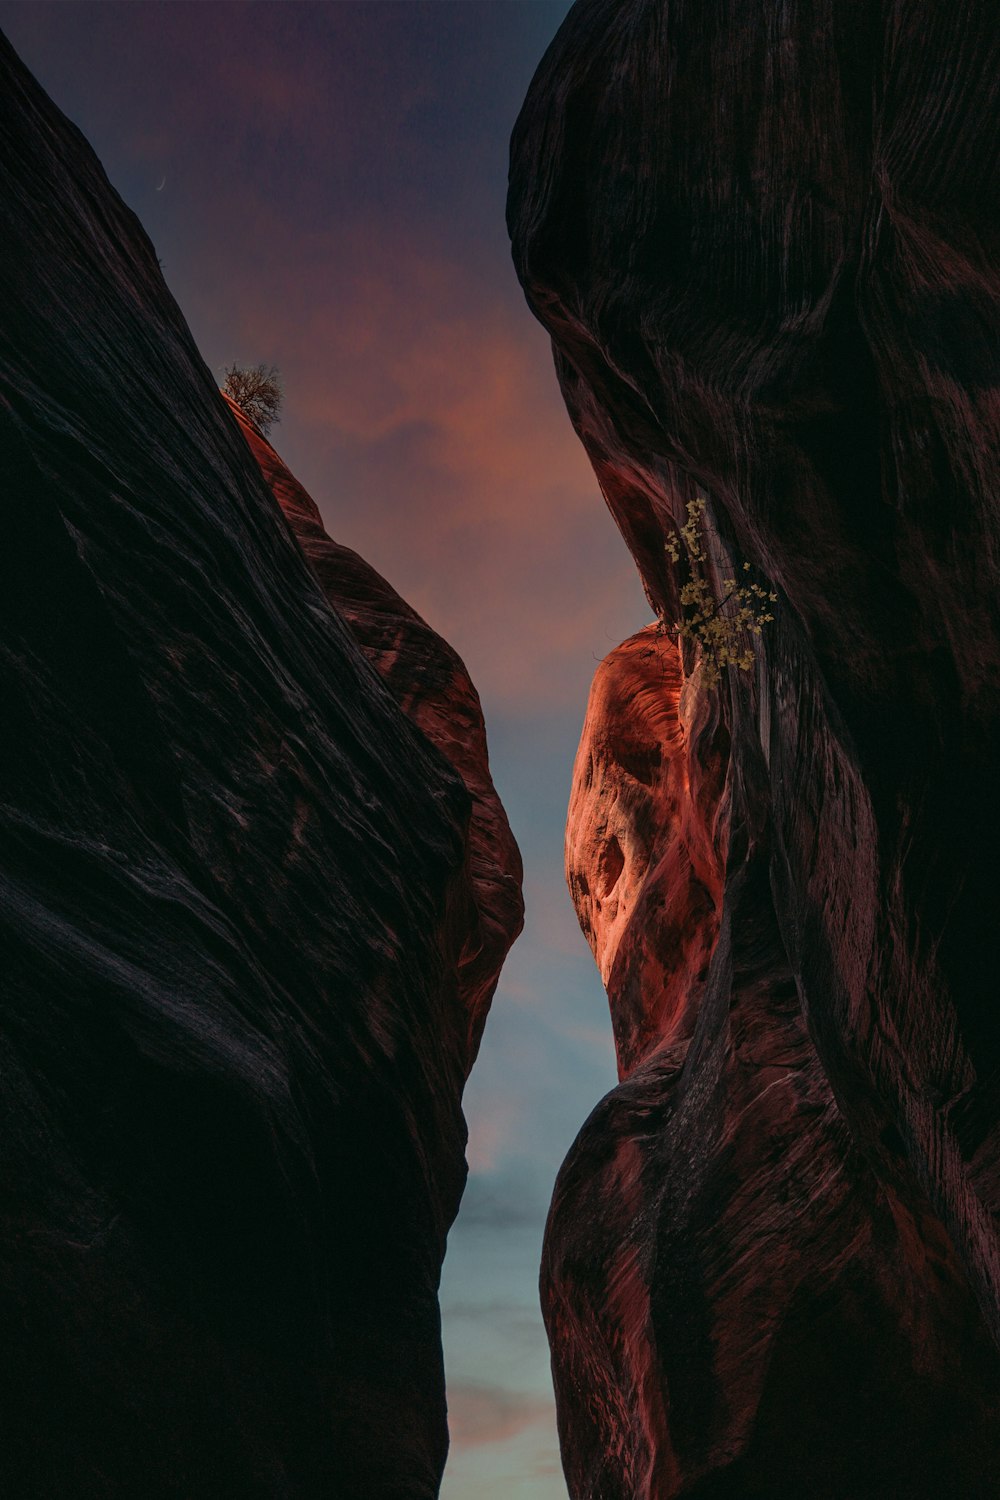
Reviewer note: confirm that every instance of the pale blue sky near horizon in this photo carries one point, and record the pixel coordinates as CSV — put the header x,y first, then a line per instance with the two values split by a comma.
x,y
325,184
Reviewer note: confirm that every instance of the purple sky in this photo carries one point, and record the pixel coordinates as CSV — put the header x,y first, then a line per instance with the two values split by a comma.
x,y
324,185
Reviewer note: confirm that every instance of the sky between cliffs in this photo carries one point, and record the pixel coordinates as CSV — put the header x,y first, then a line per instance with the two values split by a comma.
x,y
324,185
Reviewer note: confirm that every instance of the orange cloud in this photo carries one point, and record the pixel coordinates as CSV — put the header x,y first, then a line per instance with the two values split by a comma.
x,y
479,1414
491,1129
423,415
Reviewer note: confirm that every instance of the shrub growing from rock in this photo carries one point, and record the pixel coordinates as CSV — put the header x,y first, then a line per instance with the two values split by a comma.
x,y
257,391
722,627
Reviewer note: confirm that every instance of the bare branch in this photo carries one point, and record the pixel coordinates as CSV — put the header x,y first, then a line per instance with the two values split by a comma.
x,y
257,391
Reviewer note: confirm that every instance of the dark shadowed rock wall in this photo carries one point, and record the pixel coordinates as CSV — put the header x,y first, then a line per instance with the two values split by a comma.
x,y
237,923
766,242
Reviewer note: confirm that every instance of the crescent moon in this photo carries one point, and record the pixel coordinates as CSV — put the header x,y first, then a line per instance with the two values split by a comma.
x,y
162,184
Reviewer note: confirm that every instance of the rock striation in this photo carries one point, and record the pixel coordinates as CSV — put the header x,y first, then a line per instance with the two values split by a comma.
x,y
767,251
430,682
646,840
247,940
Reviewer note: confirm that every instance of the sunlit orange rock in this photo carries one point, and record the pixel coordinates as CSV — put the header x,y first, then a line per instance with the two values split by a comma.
x,y
766,249
720,1257
645,842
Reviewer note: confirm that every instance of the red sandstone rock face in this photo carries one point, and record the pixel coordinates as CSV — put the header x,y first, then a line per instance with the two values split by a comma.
x,y
236,925
738,1304
646,840
772,1264
429,681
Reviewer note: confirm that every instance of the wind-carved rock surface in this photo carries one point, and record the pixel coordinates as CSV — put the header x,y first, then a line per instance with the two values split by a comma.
x,y
430,682
237,926
645,840
768,253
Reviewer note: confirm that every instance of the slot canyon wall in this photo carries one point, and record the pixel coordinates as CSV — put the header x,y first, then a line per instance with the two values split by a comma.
x,y
765,241
256,891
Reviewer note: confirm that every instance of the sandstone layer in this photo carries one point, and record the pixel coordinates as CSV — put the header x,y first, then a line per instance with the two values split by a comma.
x,y
767,249
247,942
430,682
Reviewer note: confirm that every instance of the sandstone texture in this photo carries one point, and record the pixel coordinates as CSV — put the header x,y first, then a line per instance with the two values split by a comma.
x,y
765,241
246,936
429,681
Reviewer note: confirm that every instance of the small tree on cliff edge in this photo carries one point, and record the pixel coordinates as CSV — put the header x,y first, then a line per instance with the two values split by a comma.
x,y
256,389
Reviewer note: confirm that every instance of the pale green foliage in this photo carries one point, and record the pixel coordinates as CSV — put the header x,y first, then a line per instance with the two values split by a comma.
x,y
722,627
